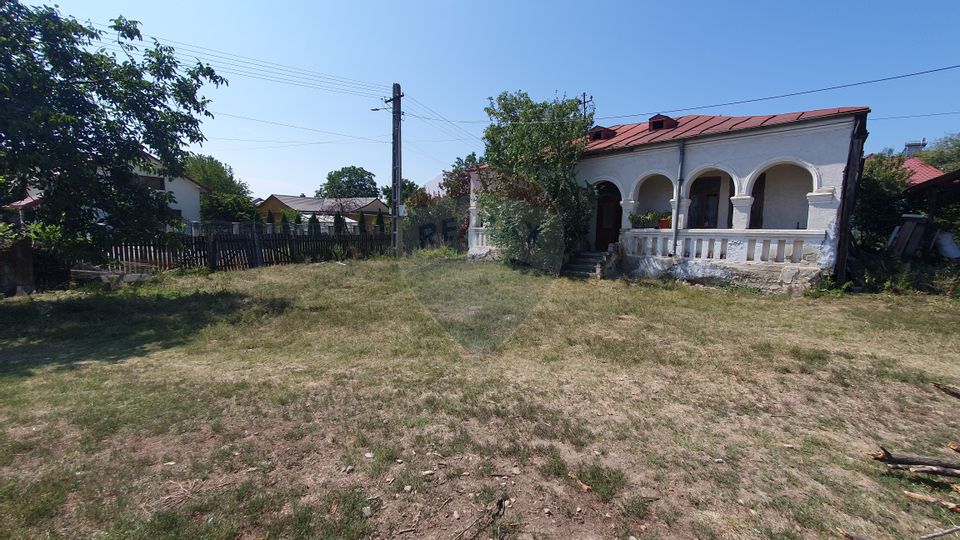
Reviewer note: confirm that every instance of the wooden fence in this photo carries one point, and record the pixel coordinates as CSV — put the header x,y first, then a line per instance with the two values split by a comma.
x,y
239,251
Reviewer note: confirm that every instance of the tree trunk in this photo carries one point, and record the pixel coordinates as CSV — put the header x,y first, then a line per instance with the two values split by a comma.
x,y
948,390
886,456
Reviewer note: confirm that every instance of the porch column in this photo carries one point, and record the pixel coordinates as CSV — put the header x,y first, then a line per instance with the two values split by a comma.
x,y
741,211
681,210
822,209
628,206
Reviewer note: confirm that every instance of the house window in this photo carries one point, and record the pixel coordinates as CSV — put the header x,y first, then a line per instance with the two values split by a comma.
x,y
152,182
656,124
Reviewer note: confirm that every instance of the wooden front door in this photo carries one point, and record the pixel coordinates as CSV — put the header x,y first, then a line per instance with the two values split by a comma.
x,y
704,203
609,215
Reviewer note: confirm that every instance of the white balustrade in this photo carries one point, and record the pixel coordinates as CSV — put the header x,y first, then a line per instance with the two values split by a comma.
x,y
478,238
734,245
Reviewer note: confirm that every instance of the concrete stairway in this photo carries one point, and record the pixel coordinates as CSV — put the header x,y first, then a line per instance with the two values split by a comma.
x,y
585,264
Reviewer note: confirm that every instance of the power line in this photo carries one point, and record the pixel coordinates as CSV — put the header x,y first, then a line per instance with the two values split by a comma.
x,y
208,51
794,94
296,127
737,102
322,142
443,118
948,113
244,71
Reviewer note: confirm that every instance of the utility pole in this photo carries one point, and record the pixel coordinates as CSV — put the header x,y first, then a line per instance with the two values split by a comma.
x,y
584,101
397,165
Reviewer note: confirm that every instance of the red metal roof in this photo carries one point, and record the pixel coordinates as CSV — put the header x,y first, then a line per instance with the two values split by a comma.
x,y
696,125
920,171
26,202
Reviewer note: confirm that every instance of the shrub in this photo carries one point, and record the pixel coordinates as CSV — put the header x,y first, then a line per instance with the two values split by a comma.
x,y
380,222
362,223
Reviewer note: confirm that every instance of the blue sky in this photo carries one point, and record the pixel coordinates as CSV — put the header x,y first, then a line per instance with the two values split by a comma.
x,y
630,56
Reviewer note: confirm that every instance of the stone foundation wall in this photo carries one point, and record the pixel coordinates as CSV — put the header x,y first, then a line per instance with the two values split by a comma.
x,y
771,277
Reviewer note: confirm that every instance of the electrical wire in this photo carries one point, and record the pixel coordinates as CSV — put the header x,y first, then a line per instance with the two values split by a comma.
x,y
211,52
265,76
903,117
271,122
729,103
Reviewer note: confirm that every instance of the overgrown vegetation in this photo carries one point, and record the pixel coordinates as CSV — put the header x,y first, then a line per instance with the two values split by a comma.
x,y
532,204
82,117
881,202
275,403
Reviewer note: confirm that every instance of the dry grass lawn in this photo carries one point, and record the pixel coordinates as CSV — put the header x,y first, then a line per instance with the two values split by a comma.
x,y
310,400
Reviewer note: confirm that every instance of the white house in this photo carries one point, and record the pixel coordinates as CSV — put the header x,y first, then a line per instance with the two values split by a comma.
x,y
756,199
186,192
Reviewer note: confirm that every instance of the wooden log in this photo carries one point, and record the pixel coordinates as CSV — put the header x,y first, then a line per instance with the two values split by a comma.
x,y
953,507
930,469
953,445
886,456
938,534
948,390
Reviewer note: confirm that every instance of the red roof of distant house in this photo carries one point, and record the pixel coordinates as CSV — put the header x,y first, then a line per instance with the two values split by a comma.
x,y
27,202
920,171
696,125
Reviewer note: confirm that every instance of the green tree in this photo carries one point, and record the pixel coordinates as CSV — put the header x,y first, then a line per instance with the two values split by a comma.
x,y
880,200
215,175
456,181
407,189
76,119
349,182
944,153
227,207
339,224
362,223
228,198
534,148
313,224
380,222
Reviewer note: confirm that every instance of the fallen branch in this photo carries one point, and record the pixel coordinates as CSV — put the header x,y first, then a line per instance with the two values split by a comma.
x,y
948,390
886,456
482,522
938,534
955,446
954,507
930,469
852,536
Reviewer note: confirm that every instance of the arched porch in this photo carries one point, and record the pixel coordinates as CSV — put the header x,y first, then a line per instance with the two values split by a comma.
x,y
608,215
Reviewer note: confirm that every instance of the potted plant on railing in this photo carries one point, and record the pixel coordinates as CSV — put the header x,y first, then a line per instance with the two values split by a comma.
x,y
664,219
645,220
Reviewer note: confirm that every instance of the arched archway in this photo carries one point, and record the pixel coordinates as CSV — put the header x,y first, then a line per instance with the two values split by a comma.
x,y
609,214
653,194
780,197
709,193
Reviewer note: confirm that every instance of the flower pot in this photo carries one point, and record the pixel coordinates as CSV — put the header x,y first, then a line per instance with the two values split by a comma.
x,y
665,223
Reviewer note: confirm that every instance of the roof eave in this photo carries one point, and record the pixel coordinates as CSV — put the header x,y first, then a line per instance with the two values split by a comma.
x,y
653,144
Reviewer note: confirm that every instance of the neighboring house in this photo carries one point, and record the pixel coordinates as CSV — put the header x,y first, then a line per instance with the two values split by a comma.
x,y
434,186
757,199
20,211
186,192
920,171
936,187
349,207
